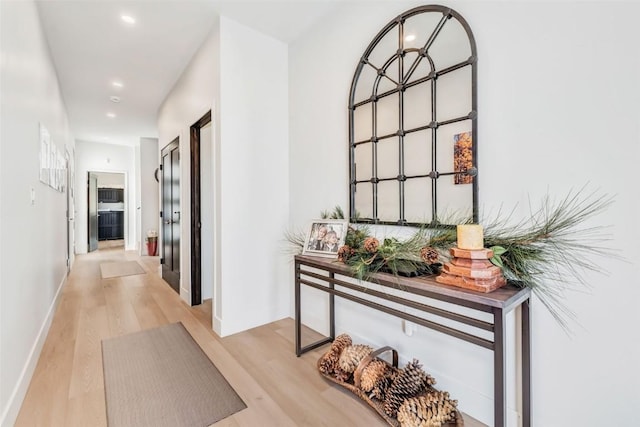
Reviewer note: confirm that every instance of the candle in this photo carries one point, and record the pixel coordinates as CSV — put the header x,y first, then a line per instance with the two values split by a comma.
x,y
470,237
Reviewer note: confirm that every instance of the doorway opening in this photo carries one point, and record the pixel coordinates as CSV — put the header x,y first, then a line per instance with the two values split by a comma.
x,y
106,210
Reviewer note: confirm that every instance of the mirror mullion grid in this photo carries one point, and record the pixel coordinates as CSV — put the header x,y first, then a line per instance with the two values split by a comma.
x,y
473,115
401,177
374,159
434,119
401,86
434,143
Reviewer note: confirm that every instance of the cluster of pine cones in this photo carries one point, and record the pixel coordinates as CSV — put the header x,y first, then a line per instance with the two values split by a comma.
x,y
406,393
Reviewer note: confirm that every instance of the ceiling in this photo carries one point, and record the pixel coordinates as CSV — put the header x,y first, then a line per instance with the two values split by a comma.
x,y
92,47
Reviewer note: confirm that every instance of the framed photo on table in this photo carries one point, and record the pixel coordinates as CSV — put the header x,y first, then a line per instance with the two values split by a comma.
x,y
325,236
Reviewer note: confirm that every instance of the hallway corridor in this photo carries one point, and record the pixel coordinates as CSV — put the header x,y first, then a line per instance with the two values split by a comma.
x,y
67,387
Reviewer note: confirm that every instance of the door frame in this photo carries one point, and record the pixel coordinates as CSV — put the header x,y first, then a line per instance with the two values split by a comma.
x,y
196,212
125,214
71,244
92,195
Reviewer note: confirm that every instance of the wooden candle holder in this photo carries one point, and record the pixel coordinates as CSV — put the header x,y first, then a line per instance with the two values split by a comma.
x,y
471,269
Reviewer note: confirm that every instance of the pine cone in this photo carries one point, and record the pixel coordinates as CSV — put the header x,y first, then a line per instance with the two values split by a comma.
x,y
411,381
341,341
371,245
392,402
380,389
373,373
345,252
326,365
329,362
352,355
430,410
341,375
429,255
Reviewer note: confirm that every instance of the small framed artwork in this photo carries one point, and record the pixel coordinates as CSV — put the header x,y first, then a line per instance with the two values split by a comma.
x,y
325,236
462,157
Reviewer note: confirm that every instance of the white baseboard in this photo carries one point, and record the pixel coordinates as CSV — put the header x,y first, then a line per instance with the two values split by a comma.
x,y
217,325
10,413
185,294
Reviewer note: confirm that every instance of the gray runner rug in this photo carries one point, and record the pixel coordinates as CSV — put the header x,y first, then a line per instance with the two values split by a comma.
x,y
109,270
161,377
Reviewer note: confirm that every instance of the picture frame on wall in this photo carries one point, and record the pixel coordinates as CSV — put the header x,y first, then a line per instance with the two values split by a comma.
x,y
324,237
52,171
462,157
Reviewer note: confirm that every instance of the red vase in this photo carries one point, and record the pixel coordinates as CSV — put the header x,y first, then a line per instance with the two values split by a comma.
x,y
152,247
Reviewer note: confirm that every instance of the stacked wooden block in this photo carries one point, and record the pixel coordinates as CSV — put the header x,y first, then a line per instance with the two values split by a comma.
x,y
470,267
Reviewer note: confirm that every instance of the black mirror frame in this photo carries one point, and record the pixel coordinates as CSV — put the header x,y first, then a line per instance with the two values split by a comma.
x,y
447,14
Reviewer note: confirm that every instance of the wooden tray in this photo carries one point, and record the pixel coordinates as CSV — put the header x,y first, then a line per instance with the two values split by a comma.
x,y
374,403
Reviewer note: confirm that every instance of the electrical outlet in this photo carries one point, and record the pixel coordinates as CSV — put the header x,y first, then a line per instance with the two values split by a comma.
x,y
408,328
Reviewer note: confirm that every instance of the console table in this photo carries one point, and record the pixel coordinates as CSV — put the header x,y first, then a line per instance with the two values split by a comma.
x,y
320,273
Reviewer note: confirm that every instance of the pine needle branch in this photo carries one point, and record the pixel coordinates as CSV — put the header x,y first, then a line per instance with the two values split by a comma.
x,y
548,252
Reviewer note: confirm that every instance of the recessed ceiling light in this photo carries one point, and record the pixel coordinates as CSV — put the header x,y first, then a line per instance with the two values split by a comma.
x,y
410,38
116,84
111,115
128,19
115,99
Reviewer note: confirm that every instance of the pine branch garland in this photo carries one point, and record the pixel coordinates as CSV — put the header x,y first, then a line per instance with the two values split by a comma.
x,y
548,252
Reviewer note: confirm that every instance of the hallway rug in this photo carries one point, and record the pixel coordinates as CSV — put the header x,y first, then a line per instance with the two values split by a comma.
x,y
120,268
161,377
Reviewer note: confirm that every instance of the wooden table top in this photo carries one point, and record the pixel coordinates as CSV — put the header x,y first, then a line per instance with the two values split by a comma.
x,y
506,298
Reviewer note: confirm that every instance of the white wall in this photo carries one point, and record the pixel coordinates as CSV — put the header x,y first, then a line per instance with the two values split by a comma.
x,y
33,244
247,94
110,180
558,108
149,195
254,175
99,157
193,95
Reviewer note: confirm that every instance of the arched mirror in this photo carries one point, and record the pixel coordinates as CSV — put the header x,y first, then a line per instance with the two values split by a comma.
x,y
413,122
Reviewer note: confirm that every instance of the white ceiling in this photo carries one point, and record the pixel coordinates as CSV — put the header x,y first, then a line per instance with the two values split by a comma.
x,y
91,47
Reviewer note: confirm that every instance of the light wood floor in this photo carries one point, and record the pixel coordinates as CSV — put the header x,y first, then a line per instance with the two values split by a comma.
x,y
279,389
111,244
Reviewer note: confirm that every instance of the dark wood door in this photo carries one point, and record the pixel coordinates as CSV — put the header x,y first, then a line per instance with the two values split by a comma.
x,y
92,198
171,214
196,212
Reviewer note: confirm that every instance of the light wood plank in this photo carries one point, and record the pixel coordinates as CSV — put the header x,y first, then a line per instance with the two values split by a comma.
x,y
86,375
120,313
87,409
